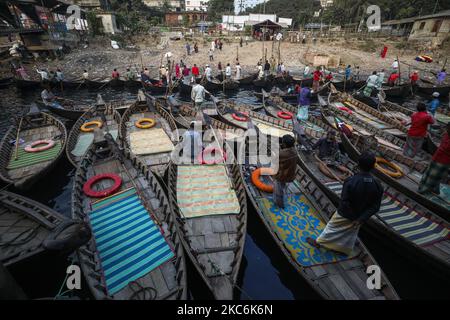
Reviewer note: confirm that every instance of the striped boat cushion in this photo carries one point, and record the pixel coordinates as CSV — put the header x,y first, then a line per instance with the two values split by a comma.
x,y
25,159
129,243
205,190
405,221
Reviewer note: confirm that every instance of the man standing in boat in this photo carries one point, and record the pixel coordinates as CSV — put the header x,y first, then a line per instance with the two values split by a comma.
x,y
434,104
304,101
418,130
438,168
198,94
360,199
287,166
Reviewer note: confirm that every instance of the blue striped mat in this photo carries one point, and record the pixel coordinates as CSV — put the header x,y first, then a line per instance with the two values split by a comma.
x,y
405,221
129,243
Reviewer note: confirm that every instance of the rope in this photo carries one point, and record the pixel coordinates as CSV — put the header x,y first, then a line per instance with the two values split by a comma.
x,y
144,290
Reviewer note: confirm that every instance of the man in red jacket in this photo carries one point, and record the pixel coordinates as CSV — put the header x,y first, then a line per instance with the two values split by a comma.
x,y
317,75
438,167
195,71
418,130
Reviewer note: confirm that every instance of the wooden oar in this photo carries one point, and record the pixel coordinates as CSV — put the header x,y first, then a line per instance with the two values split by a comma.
x,y
17,139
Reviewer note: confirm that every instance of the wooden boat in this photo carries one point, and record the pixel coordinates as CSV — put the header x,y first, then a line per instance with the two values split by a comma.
x,y
213,236
248,79
152,146
150,270
156,88
5,82
132,84
307,82
349,85
332,276
25,225
22,168
290,97
282,80
27,84
400,91
79,142
428,245
428,89
185,87
116,83
67,109
265,82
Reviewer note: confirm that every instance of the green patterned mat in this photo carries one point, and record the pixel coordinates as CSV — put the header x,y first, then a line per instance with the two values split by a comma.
x,y
25,159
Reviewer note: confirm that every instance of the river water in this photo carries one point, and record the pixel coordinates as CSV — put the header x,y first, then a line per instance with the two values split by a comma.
x,y
265,273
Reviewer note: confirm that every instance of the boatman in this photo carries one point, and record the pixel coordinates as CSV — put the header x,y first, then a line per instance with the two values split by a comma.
x,y
208,73
438,168
192,144
238,71
304,101
328,147
360,199
130,75
414,77
48,98
317,76
85,75
228,71
287,166
371,84
195,71
198,94
348,72
434,104
441,76
418,130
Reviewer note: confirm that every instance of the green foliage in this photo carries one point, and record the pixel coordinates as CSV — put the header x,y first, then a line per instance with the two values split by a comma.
x,y
217,8
94,24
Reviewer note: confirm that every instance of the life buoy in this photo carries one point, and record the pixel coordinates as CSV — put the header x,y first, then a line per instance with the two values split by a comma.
x,y
285,115
150,123
258,184
87,187
397,173
238,118
345,109
210,150
84,127
47,144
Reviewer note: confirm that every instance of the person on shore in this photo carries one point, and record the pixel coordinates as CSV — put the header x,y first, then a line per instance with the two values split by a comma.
x,y
260,71
163,74
228,71
186,71
266,69
213,45
219,68
211,55
130,75
393,79
441,76
43,73
282,68
220,44
437,170
434,103
395,66
414,77
361,198
357,72
304,102
196,47
208,73
246,40
328,147
115,74
348,72
85,75
177,71
188,48
272,62
198,94
371,84
418,130
317,76
195,71
306,72
287,167
238,71
59,75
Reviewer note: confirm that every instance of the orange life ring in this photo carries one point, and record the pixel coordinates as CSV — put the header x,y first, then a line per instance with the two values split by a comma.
x,y
47,144
87,187
210,150
258,184
85,126
238,118
285,115
150,123
397,173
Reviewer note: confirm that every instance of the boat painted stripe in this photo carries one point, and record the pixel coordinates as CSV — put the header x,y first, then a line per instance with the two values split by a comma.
x,y
107,218
124,232
127,237
118,217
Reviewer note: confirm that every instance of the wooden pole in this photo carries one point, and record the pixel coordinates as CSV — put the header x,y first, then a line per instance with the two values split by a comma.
x,y
399,73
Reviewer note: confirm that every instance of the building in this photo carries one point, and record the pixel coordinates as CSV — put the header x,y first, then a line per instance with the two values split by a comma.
x,y
401,27
242,5
238,23
185,18
433,28
174,5
196,5
103,12
326,3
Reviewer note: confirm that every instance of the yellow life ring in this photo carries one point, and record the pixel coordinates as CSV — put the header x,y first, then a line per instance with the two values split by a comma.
x,y
84,127
397,173
149,123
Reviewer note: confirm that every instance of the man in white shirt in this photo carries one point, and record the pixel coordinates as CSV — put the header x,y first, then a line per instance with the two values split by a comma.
x,y
260,71
380,79
306,71
192,144
43,74
228,71
208,73
59,75
371,84
395,65
282,68
85,75
198,94
238,71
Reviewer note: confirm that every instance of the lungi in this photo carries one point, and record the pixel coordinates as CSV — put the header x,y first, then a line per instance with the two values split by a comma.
x,y
368,91
278,193
302,113
432,177
339,235
412,146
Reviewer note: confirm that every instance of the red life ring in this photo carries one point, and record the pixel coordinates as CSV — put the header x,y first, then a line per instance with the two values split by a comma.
x,y
47,144
87,187
285,115
238,118
210,150
345,109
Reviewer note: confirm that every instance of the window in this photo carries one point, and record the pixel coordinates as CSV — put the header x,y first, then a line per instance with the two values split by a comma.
x,y
422,25
437,26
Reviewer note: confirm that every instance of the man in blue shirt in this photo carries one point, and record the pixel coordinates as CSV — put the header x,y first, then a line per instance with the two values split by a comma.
x,y
434,104
348,72
304,101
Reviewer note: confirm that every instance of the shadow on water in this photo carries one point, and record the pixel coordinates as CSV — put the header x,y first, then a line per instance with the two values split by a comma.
x,y
265,272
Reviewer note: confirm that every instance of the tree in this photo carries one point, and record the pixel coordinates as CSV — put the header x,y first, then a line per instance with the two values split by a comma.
x,y
216,8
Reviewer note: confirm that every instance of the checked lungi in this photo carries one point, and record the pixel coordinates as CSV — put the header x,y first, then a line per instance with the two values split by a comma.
x,y
412,146
432,177
339,235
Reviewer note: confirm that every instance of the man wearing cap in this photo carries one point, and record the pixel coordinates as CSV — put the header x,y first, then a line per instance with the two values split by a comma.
x,y
434,104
